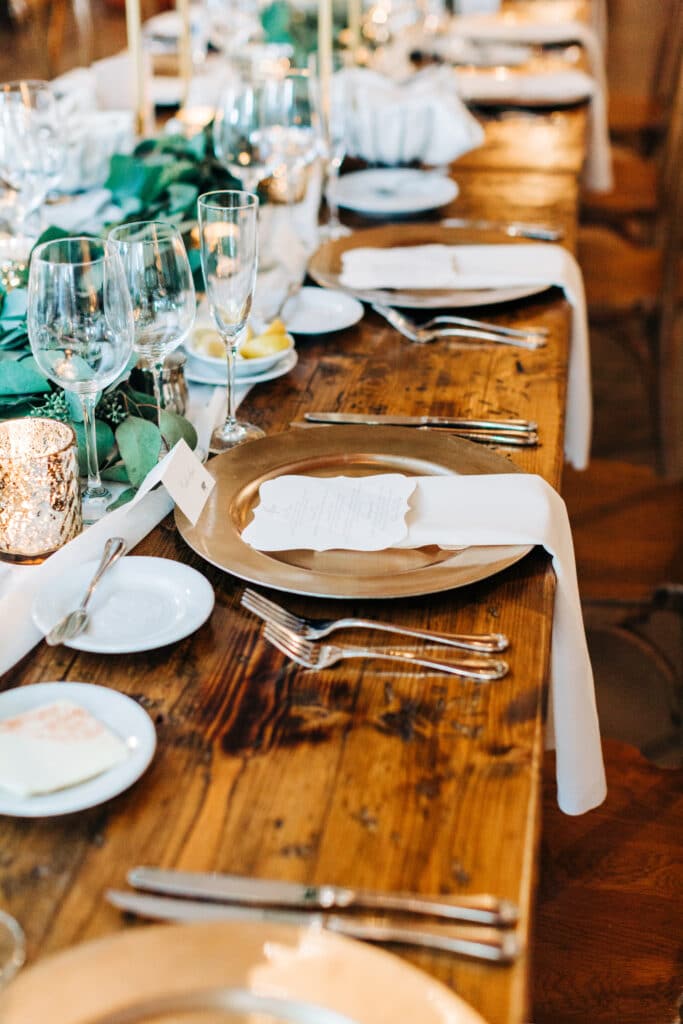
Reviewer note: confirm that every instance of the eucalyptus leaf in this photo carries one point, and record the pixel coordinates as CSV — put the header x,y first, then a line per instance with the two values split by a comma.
x,y
139,443
122,499
174,427
14,305
116,472
105,442
20,378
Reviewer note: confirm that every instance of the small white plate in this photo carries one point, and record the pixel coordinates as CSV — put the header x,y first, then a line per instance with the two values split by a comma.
x,y
320,310
119,713
387,192
243,367
141,603
202,373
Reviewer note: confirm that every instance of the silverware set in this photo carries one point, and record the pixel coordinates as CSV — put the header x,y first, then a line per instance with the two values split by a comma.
x,y
512,433
461,327
296,638
478,926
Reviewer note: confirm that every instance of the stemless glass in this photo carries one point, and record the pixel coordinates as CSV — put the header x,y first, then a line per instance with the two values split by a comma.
x,y
80,325
159,280
31,151
228,226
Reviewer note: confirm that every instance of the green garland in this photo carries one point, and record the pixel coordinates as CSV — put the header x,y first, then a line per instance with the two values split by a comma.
x,y
161,180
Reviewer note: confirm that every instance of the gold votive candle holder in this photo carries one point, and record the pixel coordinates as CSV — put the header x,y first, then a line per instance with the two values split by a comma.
x,y
40,500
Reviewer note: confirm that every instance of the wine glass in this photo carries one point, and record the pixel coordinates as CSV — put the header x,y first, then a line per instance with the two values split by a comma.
x,y
159,279
228,227
294,126
80,325
31,151
243,139
12,947
331,100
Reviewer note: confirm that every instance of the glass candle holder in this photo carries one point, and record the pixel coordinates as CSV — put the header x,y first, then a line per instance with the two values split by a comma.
x,y
40,501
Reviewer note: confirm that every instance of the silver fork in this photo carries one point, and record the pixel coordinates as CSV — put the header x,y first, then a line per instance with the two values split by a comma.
x,y
312,655
508,332
315,629
423,335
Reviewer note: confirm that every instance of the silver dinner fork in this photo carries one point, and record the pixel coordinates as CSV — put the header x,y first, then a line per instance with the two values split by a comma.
x,y
315,629
318,656
423,335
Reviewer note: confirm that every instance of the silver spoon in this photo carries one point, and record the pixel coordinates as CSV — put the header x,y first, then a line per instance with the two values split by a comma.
x,y
76,621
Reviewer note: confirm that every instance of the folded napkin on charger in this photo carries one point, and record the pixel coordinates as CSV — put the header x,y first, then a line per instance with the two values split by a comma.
x,y
421,118
493,266
456,511
556,29
54,746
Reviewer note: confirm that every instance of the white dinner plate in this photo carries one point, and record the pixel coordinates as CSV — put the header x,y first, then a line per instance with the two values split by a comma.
x,y
123,716
83,985
140,604
202,373
397,192
321,310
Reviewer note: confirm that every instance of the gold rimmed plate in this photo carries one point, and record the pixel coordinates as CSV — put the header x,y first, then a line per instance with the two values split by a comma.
x,y
335,451
326,265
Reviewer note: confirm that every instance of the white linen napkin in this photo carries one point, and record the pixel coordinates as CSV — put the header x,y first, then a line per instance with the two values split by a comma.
x,y
421,118
19,585
558,87
54,746
88,211
493,266
511,509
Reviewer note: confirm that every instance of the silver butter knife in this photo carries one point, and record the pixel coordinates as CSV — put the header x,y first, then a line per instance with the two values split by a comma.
x,y
369,419
491,944
482,909
515,229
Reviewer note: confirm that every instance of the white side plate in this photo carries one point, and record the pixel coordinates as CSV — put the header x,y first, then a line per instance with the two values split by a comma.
x,y
115,710
387,192
320,311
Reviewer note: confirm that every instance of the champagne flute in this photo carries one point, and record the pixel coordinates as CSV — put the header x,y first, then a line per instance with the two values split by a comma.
x,y
80,325
159,280
228,227
331,100
31,152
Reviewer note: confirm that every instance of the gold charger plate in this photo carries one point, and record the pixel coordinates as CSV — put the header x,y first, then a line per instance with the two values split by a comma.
x,y
326,265
94,981
335,451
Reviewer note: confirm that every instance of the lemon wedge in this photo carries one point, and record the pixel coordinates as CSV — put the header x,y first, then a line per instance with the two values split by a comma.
x,y
208,342
266,344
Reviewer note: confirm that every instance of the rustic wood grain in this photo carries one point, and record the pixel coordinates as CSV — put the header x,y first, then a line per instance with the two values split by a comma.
x,y
356,774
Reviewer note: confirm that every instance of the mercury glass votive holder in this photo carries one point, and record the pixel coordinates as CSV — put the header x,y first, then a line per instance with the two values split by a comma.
x,y
40,501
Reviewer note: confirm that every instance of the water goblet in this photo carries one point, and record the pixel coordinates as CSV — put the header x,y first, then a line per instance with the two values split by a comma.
x,y
228,227
331,100
294,126
159,279
80,325
31,151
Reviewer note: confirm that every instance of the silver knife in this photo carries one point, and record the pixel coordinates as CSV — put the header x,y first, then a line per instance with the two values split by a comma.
x,y
369,419
481,909
515,228
480,943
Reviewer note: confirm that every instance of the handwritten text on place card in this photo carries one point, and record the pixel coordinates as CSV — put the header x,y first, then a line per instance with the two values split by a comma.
x,y
185,479
357,513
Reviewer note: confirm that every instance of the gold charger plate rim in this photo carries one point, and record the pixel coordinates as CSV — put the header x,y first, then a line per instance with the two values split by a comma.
x,y
216,536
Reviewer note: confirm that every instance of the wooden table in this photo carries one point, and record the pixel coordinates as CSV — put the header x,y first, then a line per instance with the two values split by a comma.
x,y
348,775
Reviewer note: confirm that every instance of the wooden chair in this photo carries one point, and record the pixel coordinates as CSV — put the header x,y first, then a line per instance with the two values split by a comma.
x,y
606,947
642,166
629,284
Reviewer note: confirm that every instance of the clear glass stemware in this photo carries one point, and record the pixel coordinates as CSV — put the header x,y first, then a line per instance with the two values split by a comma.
x,y
228,226
31,150
295,127
159,279
80,325
331,101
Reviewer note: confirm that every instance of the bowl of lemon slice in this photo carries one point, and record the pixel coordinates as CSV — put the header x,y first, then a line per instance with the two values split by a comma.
x,y
259,350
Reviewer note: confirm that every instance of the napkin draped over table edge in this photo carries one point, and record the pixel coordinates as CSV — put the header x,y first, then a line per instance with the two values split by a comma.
x,y
511,509
503,266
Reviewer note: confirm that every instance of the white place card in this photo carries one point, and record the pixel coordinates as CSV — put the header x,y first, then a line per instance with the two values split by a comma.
x,y
55,746
184,477
317,513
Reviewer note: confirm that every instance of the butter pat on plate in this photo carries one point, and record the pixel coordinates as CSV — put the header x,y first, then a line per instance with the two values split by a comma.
x,y
54,746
